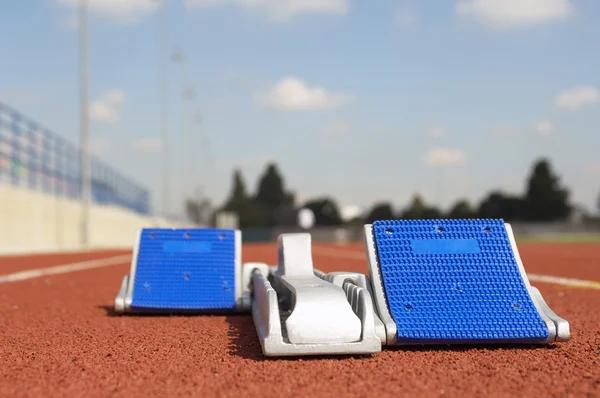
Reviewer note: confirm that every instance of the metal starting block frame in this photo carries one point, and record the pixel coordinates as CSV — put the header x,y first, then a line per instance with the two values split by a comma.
x,y
298,310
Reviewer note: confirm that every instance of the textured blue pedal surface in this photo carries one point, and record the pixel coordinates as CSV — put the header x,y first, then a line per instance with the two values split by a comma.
x,y
185,269
454,280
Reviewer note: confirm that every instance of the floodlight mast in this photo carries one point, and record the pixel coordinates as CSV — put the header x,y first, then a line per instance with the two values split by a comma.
x,y
84,138
164,109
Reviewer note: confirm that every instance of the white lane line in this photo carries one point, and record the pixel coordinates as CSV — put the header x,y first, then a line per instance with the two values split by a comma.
x,y
64,269
555,280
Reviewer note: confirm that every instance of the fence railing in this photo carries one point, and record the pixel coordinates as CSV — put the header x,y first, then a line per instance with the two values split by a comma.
x,y
34,157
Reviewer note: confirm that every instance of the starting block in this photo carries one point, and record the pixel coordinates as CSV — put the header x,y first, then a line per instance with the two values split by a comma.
x,y
187,270
455,282
430,282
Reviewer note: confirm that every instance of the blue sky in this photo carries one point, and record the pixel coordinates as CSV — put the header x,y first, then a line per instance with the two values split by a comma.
x,y
363,101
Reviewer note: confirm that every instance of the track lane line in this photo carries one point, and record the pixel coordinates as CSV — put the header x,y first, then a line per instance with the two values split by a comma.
x,y
554,280
557,280
64,269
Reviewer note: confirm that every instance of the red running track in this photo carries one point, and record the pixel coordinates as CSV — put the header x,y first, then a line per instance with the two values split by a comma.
x,y
59,337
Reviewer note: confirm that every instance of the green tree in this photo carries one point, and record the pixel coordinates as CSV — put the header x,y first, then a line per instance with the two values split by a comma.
x,y
271,191
271,194
432,212
462,209
238,193
499,205
326,211
419,210
415,210
380,211
545,199
238,201
198,211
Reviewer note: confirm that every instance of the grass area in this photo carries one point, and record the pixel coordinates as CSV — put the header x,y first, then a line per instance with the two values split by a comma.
x,y
561,238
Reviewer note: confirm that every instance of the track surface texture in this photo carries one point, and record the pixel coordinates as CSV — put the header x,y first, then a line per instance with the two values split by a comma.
x,y
60,337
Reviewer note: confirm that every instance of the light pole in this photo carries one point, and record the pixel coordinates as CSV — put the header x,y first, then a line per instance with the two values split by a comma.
x,y
164,115
199,142
178,57
84,139
188,93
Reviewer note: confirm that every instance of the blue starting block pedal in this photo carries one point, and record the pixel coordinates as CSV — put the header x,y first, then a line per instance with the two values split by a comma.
x,y
187,270
455,282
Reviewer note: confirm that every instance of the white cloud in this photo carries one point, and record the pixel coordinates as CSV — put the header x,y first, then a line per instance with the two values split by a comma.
x,y
436,131
99,146
291,94
101,111
504,131
148,144
577,97
281,10
123,11
544,127
106,109
502,14
116,97
444,157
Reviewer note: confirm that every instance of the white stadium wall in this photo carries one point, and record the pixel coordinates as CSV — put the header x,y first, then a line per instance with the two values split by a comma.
x,y
34,221
40,175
